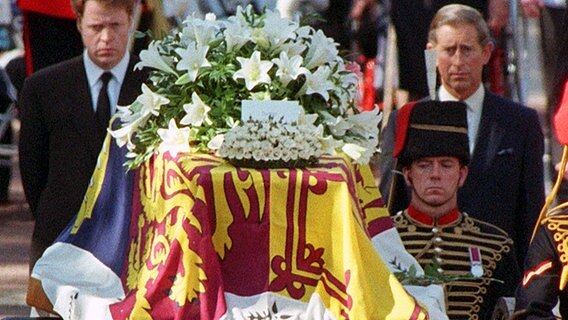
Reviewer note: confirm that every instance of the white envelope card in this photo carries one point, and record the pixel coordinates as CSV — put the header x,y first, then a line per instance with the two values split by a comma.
x,y
288,111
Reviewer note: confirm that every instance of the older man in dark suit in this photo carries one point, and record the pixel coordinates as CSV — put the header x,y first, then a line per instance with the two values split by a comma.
x,y
65,110
411,19
505,185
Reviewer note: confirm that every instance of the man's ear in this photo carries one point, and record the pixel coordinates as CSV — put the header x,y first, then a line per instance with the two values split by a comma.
x,y
407,177
463,175
488,51
131,24
78,23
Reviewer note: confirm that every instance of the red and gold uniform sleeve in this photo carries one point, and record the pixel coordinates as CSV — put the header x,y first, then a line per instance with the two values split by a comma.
x,y
539,290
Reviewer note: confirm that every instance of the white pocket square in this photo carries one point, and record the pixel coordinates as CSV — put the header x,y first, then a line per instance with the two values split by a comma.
x,y
505,152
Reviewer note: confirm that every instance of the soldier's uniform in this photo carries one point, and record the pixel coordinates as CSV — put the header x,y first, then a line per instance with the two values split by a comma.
x,y
477,257
462,246
546,264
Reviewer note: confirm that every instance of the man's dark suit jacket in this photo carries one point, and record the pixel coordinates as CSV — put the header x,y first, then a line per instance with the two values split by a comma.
x,y
60,141
505,184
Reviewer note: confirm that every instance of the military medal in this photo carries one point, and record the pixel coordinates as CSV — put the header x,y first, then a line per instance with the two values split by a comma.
x,y
476,264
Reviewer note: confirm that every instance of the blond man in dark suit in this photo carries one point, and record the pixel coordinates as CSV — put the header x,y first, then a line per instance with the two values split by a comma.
x,y
62,127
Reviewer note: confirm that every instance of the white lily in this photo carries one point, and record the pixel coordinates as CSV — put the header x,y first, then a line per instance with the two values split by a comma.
x,y
322,51
151,58
174,139
123,135
192,59
339,126
356,152
260,38
236,35
216,142
150,102
349,80
370,149
136,115
372,144
240,14
277,29
366,124
237,30
307,119
304,32
200,31
197,112
126,113
293,48
289,69
329,145
318,82
253,70
139,111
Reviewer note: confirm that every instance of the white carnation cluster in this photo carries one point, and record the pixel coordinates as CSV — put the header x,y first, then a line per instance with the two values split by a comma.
x,y
272,141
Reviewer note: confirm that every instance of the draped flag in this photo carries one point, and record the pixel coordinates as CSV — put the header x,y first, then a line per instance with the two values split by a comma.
x,y
193,237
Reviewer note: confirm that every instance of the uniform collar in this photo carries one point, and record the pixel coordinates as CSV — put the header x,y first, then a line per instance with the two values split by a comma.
x,y
443,220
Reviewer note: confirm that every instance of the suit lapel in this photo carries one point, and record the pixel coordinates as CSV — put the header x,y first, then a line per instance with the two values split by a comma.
x,y
489,135
131,84
81,109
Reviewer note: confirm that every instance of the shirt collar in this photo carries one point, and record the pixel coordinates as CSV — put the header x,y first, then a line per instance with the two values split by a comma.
x,y
94,72
425,219
474,102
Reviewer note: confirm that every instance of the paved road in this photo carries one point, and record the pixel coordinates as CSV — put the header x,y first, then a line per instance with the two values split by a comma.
x,y
15,232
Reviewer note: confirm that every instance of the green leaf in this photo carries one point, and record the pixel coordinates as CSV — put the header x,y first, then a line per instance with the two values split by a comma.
x,y
184,79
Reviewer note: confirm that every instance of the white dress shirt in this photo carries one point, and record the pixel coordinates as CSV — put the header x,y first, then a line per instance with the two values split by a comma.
x,y
474,108
94,73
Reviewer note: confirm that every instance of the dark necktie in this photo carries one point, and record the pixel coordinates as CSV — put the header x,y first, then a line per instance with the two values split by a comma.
x,y
103,102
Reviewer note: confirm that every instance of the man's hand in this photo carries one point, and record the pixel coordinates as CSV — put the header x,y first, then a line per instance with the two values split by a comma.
x,y
532,8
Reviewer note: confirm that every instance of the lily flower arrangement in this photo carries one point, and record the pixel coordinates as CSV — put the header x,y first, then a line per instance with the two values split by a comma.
x,y
201,73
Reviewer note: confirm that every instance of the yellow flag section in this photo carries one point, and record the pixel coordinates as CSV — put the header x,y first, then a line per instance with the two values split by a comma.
x,y
211,241
95,186
348,275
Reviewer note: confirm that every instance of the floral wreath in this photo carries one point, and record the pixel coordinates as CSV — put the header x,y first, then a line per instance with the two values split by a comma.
x,y
201,73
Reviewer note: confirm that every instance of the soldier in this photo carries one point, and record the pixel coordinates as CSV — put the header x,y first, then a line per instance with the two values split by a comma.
x,y
475,259
546,266
546,271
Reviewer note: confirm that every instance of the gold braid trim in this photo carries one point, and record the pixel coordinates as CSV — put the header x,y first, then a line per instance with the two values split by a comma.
x,y
559,229
545,211
433,127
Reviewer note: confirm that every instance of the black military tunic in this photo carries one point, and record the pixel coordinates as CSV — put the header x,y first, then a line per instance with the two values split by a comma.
x,y
547,260
462,246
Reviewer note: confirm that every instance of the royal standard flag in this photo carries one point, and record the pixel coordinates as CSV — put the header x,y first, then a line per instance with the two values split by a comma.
x,y
193,237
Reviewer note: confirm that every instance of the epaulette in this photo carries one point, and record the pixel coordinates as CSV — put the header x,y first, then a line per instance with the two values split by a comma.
x,y
558,226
